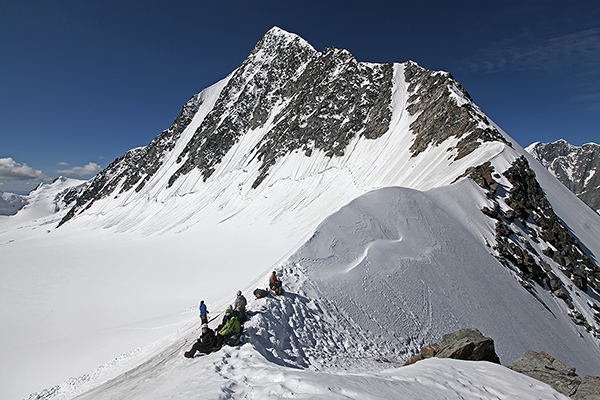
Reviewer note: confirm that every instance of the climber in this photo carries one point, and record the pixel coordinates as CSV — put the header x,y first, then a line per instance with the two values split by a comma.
x,y
231,328
275,284
240,306
204,344
226,317
203,312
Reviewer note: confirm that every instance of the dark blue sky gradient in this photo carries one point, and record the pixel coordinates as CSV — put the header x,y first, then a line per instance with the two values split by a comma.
x,y
84,81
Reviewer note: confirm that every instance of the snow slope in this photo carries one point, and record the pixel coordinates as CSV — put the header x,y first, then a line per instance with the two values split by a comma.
x,y
112,293
353,297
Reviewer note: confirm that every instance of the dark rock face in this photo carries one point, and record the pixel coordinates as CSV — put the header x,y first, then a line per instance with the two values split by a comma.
x,y
547,369
305,101
527,199
589,389
468,344
578,168
531,219
439,115
464,344
328,98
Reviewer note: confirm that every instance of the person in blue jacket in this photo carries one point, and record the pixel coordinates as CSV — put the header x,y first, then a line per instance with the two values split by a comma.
x,y
203,312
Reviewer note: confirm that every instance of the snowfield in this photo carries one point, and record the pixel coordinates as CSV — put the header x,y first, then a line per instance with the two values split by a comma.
x,y
383,276
380,253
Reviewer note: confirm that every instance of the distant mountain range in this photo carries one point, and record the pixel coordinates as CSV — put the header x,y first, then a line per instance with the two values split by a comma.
x,y
578,168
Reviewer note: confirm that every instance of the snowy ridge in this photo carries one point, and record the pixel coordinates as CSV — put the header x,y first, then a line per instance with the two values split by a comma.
x,y
342,362
374,223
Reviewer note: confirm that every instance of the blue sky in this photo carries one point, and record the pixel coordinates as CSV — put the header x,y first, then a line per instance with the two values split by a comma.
x,y
82,82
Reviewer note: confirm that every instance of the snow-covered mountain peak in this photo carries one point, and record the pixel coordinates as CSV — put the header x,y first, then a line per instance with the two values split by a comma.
x,y
277,40
382,193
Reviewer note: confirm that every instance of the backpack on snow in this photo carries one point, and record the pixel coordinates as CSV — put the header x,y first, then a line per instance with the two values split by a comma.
x,y
236,339
259,293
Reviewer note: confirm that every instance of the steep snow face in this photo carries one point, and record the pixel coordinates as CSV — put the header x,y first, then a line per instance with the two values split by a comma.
x,y
290,114
578,168
388,264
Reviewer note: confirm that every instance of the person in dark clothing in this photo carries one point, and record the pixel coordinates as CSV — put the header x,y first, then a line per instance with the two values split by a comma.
x,y
203,312
275,284
204,344
240,306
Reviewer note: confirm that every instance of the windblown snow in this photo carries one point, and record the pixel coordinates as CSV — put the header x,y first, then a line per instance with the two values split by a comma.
x,y
380,253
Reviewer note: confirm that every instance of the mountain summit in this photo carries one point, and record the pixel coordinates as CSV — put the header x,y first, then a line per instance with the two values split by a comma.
x,y
287,98
393,208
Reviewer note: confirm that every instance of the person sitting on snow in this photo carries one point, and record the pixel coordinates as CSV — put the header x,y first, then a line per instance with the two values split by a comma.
x,y
240,306
226,317
204,344
275,284
203,312
231,328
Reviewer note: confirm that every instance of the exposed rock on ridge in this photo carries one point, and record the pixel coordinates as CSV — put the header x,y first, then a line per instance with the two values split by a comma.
x,y
326,99
470,344
526,219
464,344
547,369
445,109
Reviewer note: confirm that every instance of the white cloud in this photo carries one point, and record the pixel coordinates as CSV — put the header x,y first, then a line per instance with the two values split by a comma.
x,y
13,171
88,170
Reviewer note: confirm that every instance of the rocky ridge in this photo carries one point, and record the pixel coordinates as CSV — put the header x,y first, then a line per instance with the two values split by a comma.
x,y
444,109
578,168
526,221
137,166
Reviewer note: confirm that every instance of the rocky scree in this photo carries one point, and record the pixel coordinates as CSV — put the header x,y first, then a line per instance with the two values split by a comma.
x,y
529,218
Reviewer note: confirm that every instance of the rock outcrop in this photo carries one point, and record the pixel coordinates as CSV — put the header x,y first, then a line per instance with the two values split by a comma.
x,y
525,220
464,344
470,344
547,369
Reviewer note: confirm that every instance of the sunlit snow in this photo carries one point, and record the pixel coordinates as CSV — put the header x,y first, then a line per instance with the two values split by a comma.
x,y
380,253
